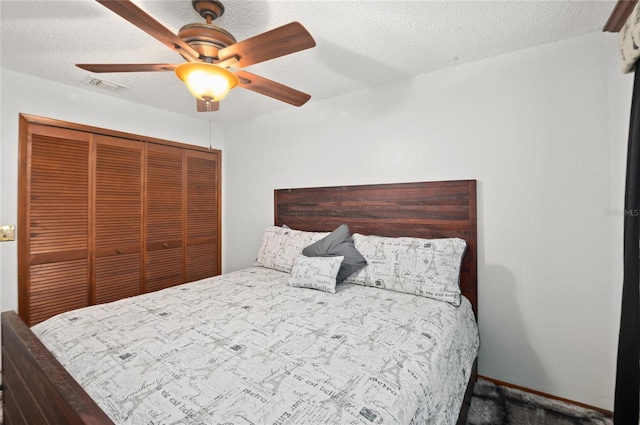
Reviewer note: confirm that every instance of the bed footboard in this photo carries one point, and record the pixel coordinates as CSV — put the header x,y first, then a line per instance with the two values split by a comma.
x,y
36,388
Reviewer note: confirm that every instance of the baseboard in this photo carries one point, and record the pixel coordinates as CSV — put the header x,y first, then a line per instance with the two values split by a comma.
x,y
551,396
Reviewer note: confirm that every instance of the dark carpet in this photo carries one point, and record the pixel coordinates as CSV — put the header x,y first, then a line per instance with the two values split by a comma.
x,y
497,405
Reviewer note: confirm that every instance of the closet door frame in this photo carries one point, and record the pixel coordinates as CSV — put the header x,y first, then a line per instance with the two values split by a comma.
x,y
24,172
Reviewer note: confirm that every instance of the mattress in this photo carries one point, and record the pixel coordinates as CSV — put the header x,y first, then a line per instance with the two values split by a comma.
x,y
245,348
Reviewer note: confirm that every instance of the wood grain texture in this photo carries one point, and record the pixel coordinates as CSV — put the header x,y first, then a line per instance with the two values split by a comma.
x,y
422,210
105,217
164,194
163,268
201,261
118,231
138,67
54,205
117,276
59,193
202,216
619,15
164,217
272,89
37,389
57,287
281,41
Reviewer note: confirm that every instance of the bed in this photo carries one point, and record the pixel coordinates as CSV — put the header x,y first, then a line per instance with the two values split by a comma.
x,y
274,339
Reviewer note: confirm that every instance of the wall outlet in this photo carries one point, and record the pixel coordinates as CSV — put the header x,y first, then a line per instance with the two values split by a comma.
x,y
7,233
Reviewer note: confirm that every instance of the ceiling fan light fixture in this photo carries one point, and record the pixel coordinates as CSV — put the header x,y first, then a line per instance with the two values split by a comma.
x,y
207,81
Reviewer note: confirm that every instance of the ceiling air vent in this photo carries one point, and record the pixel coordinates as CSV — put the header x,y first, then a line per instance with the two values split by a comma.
x,y
104,84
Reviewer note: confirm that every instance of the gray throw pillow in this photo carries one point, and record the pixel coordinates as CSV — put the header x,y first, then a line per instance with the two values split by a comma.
x,y
338,243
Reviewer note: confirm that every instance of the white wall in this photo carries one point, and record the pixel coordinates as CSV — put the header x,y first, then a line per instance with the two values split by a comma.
x,y
533,128
25,94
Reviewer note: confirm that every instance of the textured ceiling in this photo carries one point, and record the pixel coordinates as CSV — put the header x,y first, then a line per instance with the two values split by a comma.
x,y
359,43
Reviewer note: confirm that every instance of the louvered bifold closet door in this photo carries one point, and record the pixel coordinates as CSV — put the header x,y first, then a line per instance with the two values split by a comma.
x,y
118,218
202,215
163,212
55,196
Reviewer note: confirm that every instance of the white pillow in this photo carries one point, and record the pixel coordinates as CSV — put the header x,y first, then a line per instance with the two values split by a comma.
x,y
425,267
315,272
280,246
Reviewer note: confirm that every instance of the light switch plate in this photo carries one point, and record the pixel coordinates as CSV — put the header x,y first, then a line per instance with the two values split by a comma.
x,y
7,233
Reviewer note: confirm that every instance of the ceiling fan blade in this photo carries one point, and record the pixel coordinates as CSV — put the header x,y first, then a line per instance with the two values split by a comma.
x,y
134,67
138,17
272,89
278,42
202,106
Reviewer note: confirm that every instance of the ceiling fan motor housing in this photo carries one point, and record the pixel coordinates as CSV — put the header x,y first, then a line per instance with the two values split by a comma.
x,y
206,39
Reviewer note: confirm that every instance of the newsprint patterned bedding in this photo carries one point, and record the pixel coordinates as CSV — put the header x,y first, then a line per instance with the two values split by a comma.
x,y
245,348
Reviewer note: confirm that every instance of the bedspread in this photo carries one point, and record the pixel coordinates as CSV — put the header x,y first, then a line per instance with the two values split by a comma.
x,y
245,348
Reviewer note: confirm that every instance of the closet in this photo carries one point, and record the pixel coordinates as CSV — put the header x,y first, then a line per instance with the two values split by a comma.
x,y
105,215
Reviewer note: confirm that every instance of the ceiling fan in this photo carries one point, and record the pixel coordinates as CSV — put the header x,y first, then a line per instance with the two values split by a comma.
x,y
213,55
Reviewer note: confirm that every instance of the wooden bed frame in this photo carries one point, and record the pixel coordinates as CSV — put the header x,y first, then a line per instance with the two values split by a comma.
x,y
37,389
432,210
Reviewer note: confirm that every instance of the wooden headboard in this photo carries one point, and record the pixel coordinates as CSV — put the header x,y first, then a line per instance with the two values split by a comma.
x,y
425,210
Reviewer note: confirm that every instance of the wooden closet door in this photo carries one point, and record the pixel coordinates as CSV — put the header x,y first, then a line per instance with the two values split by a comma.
x,y
118,218
102,216
202,215
54,200
163,213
